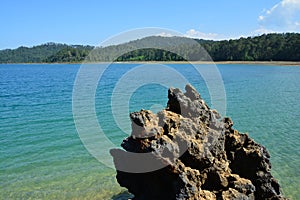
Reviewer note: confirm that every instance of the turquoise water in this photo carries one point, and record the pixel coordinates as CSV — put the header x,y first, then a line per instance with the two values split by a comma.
x,y
42,156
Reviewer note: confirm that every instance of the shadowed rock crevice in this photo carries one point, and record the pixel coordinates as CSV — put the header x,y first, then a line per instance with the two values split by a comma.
x,y
187,151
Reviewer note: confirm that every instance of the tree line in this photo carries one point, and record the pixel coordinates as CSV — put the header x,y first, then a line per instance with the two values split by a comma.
x,y
49,53
267,47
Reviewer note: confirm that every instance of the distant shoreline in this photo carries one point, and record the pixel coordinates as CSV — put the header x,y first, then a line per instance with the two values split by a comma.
x,y
280,63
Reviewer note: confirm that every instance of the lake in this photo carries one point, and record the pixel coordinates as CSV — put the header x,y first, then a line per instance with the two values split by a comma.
x,y
43,157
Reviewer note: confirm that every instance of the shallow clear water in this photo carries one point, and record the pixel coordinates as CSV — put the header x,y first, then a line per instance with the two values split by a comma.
x,y
42,156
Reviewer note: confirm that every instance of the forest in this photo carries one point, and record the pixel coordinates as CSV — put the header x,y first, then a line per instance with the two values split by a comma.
x,y
267,47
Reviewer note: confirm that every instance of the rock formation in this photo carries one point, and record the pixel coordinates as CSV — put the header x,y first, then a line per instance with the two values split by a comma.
x,y
187,151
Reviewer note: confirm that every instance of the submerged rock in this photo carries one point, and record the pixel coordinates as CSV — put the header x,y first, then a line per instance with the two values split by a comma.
x,y
187,151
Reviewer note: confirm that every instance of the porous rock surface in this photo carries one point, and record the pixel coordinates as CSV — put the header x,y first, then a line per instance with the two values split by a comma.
x,y
192,153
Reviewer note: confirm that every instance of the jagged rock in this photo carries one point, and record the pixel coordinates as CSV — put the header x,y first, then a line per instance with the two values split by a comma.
x,y
187,151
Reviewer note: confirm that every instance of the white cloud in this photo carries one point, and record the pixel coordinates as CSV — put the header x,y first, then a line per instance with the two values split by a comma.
x,y
282,17
263,30
192,33
261,18
164,34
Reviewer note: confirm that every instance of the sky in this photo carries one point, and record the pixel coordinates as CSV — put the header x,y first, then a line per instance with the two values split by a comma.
x,y
89,22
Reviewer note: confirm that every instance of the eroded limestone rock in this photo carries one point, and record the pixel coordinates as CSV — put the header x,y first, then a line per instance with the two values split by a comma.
x,y
187,151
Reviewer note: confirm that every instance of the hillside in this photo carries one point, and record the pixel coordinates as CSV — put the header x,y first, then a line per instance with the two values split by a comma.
x,y
267,47
270,47
49,52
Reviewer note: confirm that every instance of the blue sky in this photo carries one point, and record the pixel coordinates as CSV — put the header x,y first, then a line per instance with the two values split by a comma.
x,y
34,22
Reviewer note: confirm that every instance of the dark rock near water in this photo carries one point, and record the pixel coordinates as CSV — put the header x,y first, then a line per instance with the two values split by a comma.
x,y
187,151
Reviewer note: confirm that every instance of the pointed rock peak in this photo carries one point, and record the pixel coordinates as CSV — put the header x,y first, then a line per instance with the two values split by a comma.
x,y
187,104
141,118
191,92
144,124
172,92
